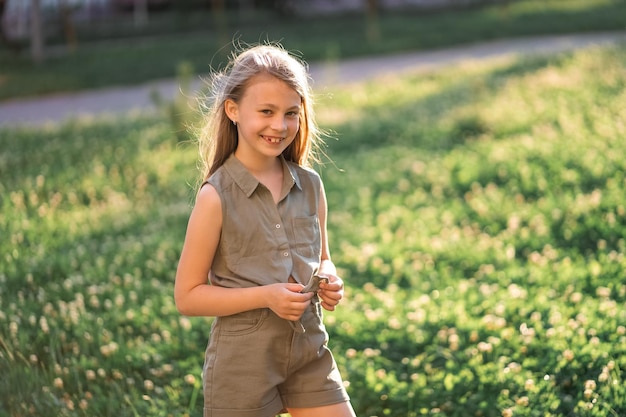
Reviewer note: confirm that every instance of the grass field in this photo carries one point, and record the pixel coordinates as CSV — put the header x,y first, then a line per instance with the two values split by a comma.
x,y
117,55
477,216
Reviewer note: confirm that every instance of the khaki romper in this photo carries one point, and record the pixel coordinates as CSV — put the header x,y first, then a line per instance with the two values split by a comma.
x,y
256,363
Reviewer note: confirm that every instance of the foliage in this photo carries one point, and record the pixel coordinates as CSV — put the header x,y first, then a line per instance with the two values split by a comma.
x,y
120,54
477,215
184,112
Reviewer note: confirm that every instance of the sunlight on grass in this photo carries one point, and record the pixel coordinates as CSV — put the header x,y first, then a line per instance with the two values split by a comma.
x,y
477,215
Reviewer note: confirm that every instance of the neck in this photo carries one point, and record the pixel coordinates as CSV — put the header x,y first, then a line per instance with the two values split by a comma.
x,y
259,166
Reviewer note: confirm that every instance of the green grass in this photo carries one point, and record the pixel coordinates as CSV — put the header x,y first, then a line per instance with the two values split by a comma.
x,y
195,39
477,216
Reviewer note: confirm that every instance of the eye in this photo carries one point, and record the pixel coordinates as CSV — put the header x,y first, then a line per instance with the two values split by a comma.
x,y
292,114
266,112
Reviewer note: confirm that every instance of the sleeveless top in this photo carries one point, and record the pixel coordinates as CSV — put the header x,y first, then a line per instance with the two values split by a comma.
x,y
263,242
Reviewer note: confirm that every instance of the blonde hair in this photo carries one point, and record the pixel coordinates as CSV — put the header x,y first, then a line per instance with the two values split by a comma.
x,y
218,138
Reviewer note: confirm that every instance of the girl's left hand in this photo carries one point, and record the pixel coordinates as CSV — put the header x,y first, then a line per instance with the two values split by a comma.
x,y
331,294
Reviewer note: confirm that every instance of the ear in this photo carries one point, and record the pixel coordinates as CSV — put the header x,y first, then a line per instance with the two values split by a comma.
x,y
232,110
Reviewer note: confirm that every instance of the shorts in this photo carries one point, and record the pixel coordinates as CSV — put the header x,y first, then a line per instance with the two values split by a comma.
x,y
257,364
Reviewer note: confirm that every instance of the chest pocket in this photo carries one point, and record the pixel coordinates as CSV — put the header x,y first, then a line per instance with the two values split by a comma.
x,y
306,236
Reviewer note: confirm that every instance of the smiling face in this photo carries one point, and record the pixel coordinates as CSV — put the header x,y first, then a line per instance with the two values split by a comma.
x,y
267,117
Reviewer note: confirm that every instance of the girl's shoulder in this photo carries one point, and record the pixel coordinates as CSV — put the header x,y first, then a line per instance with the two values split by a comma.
x,y
208,200
304,173
303,170
226,174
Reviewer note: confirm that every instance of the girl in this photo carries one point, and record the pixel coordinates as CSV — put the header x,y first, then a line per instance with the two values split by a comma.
x,y
258,233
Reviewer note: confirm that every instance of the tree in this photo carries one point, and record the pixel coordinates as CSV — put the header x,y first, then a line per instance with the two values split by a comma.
x,y
140,12
373,25
4,38
219,18
36,32
65,11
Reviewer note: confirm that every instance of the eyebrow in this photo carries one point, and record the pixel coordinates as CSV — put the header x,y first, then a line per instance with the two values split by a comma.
x,y
273,106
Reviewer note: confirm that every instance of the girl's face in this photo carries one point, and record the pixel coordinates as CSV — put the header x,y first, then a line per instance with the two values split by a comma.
x,y
267,116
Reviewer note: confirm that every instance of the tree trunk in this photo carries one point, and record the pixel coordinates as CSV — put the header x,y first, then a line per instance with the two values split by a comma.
x,y
373,26
68,25
219,17
4,38
36,32
246,9
140,12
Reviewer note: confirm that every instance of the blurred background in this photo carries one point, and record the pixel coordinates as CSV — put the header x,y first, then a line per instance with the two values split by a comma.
x,y
61,45
54,21
477,206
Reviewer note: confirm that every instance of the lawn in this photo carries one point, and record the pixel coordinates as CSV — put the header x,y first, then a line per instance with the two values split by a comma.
x,y
122,55
477,216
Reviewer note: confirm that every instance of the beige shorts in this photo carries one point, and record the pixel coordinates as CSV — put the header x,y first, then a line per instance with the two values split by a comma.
x,y
257,364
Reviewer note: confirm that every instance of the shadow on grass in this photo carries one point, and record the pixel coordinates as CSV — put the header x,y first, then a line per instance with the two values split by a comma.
x,y
432,123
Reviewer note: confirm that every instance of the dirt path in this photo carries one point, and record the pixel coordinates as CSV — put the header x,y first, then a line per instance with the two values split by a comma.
x,y
125,99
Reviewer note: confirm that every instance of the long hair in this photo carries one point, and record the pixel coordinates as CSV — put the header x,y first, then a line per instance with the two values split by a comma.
x,y
218,138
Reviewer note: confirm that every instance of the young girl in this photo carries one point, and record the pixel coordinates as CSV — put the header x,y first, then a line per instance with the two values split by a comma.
x,y
256,236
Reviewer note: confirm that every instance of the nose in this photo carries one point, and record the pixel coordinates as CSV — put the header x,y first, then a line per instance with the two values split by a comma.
x,y
279,123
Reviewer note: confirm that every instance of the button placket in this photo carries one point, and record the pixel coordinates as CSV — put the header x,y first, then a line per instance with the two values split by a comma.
x,y
282,237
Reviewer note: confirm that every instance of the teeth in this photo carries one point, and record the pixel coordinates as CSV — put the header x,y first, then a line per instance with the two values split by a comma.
x,y
274,140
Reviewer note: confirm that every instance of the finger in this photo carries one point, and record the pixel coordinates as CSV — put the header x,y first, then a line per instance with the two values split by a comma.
x,y
329,301
292,314
295,287
331,295
303,298
327,306
332,286
297,296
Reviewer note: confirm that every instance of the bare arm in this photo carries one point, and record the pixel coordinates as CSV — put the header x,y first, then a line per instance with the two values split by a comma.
x,y
331,293
193,294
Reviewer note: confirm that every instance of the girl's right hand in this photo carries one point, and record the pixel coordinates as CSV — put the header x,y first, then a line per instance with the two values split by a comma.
x,y
286,300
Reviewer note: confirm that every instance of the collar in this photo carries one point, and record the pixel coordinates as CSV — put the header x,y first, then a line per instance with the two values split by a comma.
x,y
248,182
